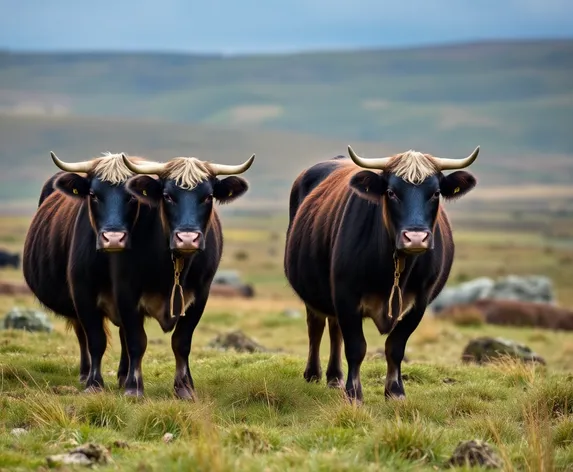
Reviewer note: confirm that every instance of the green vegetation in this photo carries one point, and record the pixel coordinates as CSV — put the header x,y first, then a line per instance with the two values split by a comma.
x,y
256,412
513,99
508,96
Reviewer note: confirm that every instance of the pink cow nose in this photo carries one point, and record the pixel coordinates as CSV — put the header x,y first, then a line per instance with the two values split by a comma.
x,y
188,240
114,239
415,240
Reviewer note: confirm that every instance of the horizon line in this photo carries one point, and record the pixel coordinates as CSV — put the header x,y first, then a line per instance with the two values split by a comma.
x,y
296,51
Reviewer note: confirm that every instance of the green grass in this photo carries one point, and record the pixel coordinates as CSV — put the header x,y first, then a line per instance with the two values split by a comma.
x,y
256,412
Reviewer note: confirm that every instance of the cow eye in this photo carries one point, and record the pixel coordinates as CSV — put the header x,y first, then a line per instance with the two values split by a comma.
x,y
167,198
390,193
436,194
208,199
93,196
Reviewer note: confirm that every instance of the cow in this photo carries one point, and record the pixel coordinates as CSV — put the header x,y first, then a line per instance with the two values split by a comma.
x,y
373,244
82,222
184,246
8,259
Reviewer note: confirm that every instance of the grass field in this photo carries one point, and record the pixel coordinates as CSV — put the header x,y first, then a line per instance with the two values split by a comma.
x,y
256,412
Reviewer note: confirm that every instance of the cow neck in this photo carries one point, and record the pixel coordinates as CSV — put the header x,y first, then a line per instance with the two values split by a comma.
x,y
178,263
399,264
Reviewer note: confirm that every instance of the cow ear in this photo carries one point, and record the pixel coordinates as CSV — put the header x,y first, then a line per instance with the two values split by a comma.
x,y
227,190
146,189
457,184
368,185
73,184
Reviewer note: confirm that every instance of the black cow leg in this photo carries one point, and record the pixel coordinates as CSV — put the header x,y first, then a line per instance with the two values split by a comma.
x,y
84,353
123,367
92,322
394,349
350,321
334,375
136,344
181,345
315,324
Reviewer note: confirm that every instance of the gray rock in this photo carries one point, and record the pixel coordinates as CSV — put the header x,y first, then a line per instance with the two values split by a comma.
x,y
28,319
292,313
532,288
168,437
87,454
238,341
464,293
18,432
485,349
475,453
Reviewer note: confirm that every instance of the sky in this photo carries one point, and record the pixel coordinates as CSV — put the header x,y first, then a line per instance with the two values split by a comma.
x,y
265,26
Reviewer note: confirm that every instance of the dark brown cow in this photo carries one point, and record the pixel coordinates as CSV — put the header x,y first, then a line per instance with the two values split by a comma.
x,y
370,244
513,313
187,235
85,218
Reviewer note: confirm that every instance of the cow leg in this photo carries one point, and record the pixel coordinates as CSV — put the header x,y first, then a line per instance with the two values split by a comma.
x,y
136,344
181,345
394,349
84,354
350,321
92,323
123,368
315,325
334,375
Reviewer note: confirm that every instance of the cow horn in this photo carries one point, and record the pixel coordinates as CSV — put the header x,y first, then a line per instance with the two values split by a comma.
x,y
223,169
453,164
379,163
84,166
144,167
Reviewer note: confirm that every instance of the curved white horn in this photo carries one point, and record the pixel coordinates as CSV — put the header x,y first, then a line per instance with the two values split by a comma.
x,y
84,166
453,164
379,163
223,169
143,167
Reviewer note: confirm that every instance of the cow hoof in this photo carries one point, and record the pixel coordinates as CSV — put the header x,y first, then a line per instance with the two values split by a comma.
x,y
93,389
335,383
185,393
121,381
83,378
133,392
354,401
395,396
312,376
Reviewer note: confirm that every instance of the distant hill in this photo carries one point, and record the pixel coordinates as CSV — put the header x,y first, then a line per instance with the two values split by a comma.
x,y
25,142
509,97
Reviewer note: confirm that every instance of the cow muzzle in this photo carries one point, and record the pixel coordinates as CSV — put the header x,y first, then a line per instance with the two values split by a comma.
x,y
188,241
111,241
414,242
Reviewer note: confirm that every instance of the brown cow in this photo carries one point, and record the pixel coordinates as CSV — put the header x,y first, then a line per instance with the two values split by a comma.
x,y
373,244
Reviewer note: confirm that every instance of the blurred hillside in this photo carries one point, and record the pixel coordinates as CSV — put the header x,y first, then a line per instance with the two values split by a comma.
x,y
515,99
